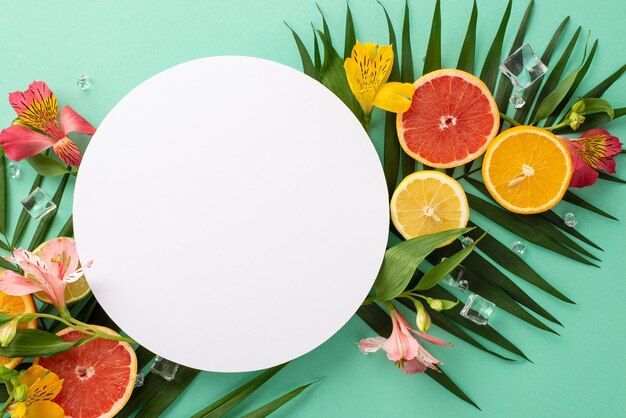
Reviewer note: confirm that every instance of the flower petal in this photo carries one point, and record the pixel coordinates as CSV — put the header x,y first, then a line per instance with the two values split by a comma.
x,y
37,107
413,366
46,409
20,142
583,177
371,345
45,386
613,146
13,284
60,256
401,345
77,274
432,340
395,97
73,122
67,151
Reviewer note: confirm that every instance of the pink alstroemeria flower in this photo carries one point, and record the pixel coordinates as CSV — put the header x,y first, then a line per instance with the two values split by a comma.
x,y
403,348
593,151
50,272
37,108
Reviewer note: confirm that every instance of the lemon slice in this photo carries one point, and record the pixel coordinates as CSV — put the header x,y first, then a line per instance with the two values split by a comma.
x,y
527,169
426,202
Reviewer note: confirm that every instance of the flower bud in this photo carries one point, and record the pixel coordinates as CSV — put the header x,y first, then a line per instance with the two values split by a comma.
x,y
575,120
20,392
578,107
436,304
423,319
7,331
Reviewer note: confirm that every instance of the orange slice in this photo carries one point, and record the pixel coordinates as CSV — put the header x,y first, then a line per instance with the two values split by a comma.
x,y
527,169
452,119
14,305
426,202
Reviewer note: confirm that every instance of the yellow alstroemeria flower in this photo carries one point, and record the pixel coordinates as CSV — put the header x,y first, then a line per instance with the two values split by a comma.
x,y
43,386
368,70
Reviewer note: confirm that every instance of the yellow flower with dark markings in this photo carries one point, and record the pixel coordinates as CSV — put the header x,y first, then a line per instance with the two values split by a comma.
x,y
43,386
368,70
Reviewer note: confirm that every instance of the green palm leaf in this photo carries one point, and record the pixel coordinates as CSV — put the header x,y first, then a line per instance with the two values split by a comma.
x,y
350,37
530,92
24,218
157,394
554,76
522,229
575,200
504,86
407,75
489,73
500,254
599,90
391,153
272,406
307,63
432,61
468,50
234,398
579,78
44,224
485,331
3,196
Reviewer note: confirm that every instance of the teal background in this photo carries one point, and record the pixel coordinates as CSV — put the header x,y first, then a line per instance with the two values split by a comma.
x,y
120,43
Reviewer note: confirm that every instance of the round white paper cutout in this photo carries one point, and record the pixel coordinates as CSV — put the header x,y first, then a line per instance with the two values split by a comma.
x,y
236,213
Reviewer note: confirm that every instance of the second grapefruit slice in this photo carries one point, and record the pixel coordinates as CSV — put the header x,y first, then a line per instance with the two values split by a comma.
x,y
452,119
98,376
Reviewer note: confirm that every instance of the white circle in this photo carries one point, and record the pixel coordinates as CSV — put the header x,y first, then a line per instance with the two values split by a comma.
x,y
236,213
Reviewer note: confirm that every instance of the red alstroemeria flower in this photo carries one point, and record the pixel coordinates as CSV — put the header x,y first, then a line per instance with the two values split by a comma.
x,y
593,151
37,108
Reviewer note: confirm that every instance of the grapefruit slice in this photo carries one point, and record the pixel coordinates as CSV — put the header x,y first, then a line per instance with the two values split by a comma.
x,y
427,202
527,169
13,305
98,377
451,121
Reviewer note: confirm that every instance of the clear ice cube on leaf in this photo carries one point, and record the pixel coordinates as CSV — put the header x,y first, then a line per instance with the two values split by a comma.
x,y
523,67
478,309
164,368
38,204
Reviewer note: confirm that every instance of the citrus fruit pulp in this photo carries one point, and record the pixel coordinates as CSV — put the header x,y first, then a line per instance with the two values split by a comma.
x,y
98,377
74,291
426,202
451,121
527,169
13,305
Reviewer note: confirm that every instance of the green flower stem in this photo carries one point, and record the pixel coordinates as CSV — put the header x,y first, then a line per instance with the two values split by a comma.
x,y
50,316
560,125
512,121
81,326
102,334
6,404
